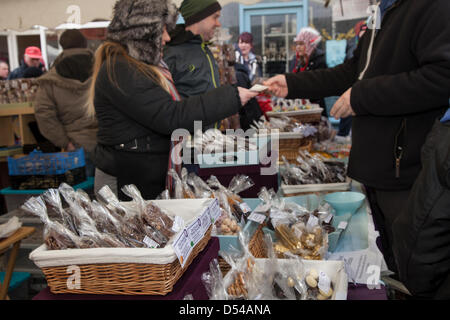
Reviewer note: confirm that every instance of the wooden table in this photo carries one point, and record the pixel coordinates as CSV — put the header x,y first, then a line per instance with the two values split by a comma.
x,y
5,244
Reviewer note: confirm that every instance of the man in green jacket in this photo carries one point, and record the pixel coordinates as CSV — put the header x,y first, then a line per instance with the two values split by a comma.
x,y
192,64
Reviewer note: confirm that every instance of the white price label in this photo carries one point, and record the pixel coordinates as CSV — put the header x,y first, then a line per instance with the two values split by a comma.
x,y
245,208
312,222
182,247
260,218
277,214
328,218
206,220
150,243
214,210
324,282
195,232
178,224
343,225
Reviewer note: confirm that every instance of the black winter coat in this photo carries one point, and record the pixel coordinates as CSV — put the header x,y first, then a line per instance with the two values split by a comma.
x,y
422,231
140,109
405,88
25,71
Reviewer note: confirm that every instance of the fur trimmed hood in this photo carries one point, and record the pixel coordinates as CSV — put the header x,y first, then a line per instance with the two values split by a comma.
x,y
138,26
72,70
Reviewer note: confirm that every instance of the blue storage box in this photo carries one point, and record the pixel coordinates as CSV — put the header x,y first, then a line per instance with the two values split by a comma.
x,y
39,163
41,170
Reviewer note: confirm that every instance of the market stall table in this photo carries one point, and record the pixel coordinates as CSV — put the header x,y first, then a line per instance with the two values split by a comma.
x,y
5,244
190,282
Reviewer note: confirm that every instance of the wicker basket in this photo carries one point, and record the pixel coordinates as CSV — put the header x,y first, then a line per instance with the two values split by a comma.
x,y
256,246
123,278
289,149
303,116
308,118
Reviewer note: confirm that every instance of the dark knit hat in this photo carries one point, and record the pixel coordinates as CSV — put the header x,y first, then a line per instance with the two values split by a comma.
x,y
72,38
138,26
194,11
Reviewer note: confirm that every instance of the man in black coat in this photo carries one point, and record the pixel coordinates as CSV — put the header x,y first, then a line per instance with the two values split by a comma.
x,y
422,230
396,86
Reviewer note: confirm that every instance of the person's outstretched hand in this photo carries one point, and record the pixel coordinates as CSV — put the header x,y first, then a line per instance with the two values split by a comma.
x,y
246,95
277,86
343,108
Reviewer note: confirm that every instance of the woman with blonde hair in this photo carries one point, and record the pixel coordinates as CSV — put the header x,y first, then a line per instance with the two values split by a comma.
x,y
136,102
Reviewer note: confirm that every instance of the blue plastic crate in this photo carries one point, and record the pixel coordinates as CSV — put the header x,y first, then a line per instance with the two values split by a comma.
x,y
39,163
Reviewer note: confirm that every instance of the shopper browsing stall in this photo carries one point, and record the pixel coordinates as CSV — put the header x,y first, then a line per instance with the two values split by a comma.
x,y
308,56
136,103
187,55
61,102
246,57
395,86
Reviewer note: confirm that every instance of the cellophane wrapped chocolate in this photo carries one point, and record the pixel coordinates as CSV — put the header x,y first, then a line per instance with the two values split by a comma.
x,y
56,235
229,199
284,124
151,216
99,224
181,188
312,169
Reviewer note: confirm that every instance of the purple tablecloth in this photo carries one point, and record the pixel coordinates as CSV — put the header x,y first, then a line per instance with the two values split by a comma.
x,y
362,292
189,283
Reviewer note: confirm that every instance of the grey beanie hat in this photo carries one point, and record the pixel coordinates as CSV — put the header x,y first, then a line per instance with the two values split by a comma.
x,y
138,26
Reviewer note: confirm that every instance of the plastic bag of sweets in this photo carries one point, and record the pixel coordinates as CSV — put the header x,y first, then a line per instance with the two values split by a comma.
x,y
213,282
53,199
56,236
151,215
200,187
86,226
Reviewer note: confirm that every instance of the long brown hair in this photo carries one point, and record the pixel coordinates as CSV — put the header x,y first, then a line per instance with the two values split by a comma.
x,y
108,53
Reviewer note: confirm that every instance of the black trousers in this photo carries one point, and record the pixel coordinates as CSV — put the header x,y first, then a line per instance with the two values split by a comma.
x,y
386,206
145,170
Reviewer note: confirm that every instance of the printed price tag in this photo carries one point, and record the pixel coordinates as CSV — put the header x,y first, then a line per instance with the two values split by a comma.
x,y
343,225
312,222
277,214
328,218
260,218
150,243
324,282
178,224
214,210
245,208
206,220
196,232
182,247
